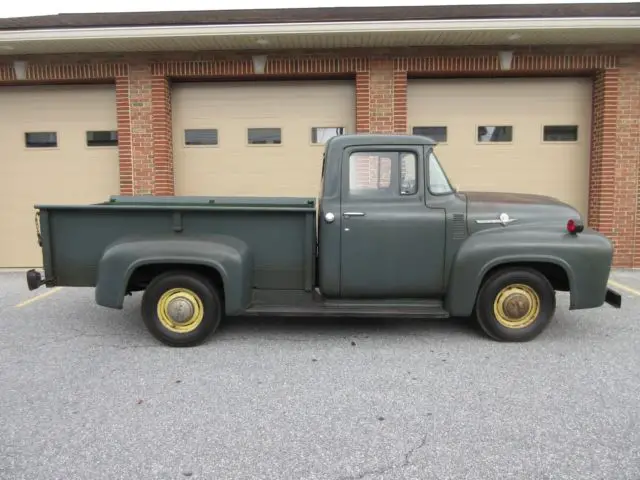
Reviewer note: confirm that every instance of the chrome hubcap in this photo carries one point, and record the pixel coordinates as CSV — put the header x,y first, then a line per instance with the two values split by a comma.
x,y
516,305
180,310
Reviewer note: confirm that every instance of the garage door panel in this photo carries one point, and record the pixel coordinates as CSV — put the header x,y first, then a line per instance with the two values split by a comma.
x,y
527,163
233,166
70,172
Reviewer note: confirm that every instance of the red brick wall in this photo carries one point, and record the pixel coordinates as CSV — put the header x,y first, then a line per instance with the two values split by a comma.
x,y
125,151
162,136
603,157
627,172
143,93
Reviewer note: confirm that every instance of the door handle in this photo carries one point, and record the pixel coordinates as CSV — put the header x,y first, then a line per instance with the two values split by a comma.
x,y
353,214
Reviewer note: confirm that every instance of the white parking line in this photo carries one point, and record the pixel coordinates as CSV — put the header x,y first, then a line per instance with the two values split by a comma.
x,y
38,297
624,287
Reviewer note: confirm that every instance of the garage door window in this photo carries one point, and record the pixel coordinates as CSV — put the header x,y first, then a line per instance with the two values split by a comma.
x,y
560,133
201,137
264,136
320,135
102,138
437,134
494,134
41,139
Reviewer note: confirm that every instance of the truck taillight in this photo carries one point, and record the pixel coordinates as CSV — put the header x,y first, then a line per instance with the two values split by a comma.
x,y
574,226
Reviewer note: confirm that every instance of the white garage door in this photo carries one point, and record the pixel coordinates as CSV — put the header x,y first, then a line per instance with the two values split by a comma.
x,y
256,139
59,146
521,135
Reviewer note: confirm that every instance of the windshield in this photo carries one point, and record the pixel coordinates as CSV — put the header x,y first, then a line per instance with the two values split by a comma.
x,y
438,181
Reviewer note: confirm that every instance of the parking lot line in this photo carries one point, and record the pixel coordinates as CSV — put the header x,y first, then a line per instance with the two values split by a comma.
x,y
624,287
38,297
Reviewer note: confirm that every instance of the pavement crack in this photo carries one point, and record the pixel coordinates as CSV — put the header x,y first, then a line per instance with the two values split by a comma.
x,y
388,468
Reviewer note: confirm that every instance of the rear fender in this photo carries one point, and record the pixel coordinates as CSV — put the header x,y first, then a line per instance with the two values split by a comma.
x,y
229,256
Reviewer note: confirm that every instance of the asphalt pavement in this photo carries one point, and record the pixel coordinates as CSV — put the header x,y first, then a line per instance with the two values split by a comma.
x,y
87,393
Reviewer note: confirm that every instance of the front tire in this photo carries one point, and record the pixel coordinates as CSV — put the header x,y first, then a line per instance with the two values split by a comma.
x,y
515,305
181,309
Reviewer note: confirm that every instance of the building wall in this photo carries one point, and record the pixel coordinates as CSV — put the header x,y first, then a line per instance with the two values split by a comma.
x,y
143,92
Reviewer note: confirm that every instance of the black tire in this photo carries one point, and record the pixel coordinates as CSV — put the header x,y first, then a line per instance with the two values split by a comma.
x,y
541,291
207,298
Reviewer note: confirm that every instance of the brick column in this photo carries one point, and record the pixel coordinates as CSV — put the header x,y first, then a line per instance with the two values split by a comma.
x,y
144,131
400,102
381,88
627,179
124,136
363,101
381,98
163,178
140,80
613,192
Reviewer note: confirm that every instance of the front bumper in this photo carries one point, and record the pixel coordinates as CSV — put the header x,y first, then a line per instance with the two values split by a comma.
x,y
613,298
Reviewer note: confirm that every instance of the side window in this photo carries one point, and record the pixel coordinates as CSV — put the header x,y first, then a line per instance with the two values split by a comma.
x,y
40,139
102,138
201,137
264,136
560,133
494,133
383,174
320,135
437,134
370,174
408,174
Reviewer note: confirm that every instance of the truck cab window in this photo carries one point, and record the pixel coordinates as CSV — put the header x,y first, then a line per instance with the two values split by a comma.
x,y
408,175
383,174
370,173
438,181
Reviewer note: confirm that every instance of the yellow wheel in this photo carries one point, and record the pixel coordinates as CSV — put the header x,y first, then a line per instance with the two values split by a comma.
x,y
181,308
515,304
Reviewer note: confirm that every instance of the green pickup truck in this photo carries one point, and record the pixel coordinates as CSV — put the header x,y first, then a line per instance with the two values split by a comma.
x,y
388,236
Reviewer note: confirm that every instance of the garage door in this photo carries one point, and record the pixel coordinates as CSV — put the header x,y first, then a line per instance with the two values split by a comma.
x,y
521,135
59,146
256,139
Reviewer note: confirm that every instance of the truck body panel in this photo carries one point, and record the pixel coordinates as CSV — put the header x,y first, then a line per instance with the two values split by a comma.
x,y
228,256
584,259
409,245
280,238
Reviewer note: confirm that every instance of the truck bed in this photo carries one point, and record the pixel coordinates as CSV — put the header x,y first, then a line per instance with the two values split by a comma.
x,y
280,233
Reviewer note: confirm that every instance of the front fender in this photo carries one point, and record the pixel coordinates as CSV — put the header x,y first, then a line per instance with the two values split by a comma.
x,y
229,256
586,259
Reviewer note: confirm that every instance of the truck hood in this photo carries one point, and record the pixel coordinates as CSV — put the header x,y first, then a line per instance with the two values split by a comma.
x,y
485,208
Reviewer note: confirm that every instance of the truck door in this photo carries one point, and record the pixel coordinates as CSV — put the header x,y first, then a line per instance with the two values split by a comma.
x,y
392,244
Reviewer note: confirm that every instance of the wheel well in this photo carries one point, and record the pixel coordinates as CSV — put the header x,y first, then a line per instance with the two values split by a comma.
x,y
556,275
142,276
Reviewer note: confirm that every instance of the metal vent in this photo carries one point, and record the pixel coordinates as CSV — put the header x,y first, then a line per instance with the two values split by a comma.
x,y
458,227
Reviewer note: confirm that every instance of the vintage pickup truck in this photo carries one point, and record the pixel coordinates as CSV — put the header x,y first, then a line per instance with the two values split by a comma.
x,y
387,236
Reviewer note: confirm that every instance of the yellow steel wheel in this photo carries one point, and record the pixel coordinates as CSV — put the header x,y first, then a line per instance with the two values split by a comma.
x,y
516,306
180,310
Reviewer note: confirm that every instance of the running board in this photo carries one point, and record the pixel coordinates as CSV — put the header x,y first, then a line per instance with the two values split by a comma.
x,y
306,306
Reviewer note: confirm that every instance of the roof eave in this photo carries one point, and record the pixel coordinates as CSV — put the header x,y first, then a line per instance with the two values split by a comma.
x,y
321,35
122,33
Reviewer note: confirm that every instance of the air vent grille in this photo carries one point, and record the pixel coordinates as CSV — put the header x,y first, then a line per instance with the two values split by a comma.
x,y
458,228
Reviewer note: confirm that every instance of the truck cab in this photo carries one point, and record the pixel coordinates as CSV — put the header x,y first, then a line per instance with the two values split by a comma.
x,y
382,218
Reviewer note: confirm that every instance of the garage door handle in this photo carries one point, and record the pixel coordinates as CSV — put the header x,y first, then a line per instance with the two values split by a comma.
x,y
353,214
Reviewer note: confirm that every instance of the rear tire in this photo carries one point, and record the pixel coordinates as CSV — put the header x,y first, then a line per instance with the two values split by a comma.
x,y
181,309
515,305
